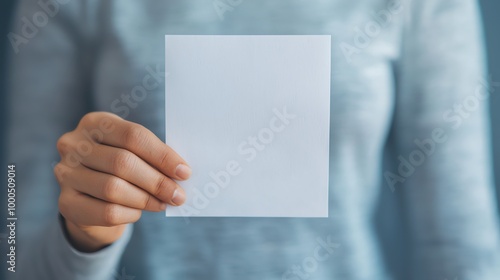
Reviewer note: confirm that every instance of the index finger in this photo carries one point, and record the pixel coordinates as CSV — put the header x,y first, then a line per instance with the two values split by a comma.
x,y
110,129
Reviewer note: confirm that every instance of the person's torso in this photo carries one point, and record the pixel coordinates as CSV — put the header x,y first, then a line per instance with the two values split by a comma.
x,y
365,43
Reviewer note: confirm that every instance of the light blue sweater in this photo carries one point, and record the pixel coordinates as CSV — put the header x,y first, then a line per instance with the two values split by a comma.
x,y
408,123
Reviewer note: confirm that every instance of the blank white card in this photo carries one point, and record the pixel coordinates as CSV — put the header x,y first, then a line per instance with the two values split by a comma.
x,y
251,116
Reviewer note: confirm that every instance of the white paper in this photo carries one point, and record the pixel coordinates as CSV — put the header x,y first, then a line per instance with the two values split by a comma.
x,y
222,93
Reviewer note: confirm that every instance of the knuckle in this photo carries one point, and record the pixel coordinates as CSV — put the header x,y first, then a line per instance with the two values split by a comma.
x,y
62,144
146,202
62,204
160,186
60,172
123,160
164,158
111,215
111,188
89,119
134,135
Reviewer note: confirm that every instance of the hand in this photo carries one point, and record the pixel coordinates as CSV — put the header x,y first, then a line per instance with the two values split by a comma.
x,y
110,171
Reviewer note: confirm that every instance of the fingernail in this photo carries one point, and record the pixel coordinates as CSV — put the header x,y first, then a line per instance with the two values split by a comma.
x,y
183,171
163,206
178,198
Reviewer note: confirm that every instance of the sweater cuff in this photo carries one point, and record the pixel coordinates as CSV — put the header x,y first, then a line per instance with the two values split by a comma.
x,y
73,264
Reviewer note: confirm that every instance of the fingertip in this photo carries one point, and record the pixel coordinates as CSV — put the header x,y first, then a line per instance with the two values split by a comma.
x,y
183,171
178,197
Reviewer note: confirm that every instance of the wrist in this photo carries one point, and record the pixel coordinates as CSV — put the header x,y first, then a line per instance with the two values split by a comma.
x,y
81,240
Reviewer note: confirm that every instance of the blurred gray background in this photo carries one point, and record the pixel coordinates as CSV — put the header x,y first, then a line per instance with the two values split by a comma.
x,y
490,8
5,13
